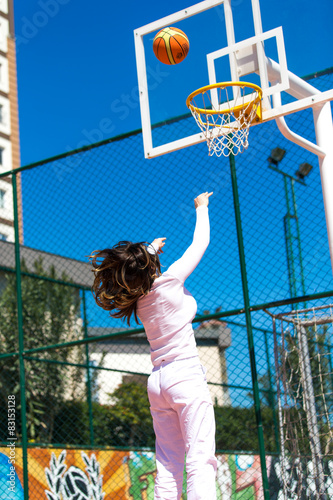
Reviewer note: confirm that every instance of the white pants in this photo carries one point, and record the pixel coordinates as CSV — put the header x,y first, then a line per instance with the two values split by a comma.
x,y
184,422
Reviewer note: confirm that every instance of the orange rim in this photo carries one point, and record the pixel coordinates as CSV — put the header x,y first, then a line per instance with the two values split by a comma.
x,y
222,85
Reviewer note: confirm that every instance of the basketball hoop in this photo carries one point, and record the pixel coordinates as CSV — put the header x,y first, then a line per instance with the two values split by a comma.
x,y
224,112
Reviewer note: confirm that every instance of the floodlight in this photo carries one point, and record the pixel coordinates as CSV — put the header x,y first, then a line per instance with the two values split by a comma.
x,y
303,170
277,155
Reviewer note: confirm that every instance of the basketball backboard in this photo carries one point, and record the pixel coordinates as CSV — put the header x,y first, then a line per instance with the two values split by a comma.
x,y
216,55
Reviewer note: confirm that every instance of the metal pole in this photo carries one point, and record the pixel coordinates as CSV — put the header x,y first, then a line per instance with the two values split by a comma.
x,y
280,405
89,399
271,396
289,236
311,413
298,239
286,225
322,116
256,393
289,244
20,341
330,359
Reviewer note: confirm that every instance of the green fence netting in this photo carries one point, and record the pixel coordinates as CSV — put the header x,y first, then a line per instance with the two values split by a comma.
x,y
77,378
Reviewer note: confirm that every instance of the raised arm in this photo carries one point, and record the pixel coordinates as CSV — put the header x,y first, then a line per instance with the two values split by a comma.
x,y
184,266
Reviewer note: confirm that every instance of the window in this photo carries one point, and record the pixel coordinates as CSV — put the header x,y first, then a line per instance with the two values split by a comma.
x,y
3,237
1,155
1,113
2,198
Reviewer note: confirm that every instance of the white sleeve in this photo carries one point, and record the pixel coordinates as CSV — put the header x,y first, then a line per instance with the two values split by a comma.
x,y
184,266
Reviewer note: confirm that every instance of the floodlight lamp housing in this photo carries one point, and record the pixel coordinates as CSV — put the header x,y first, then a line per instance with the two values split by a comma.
x,y
303,170
277,155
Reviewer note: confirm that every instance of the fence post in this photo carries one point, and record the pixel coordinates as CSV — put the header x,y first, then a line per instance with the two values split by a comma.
x,y
20,341
249,327
271,396
330,359
89,400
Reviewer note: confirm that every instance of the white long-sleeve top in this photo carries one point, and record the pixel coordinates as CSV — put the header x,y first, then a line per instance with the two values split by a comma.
x,y
168,310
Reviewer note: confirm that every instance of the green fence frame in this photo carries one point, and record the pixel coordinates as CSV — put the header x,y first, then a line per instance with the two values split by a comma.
x,y
34,354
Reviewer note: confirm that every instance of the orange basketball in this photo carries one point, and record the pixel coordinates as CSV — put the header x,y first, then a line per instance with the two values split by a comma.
x,y
171,45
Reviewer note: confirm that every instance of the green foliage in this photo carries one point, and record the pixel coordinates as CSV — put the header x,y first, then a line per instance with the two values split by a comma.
x,y
71,423
131,418
126,423
236,429
50,316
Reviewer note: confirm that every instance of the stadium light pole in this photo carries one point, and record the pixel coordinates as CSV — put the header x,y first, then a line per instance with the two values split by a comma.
x,y
304,169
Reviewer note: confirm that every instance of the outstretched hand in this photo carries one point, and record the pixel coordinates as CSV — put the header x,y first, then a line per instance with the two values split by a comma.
x,y
202,199
159,243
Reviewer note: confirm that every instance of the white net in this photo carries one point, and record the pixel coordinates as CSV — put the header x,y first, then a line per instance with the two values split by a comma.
x,y
304,378
224,112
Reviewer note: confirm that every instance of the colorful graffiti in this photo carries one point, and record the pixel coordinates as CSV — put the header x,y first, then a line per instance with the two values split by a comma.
x,y
10,484
57,474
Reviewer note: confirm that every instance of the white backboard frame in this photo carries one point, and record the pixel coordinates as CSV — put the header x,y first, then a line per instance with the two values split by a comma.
x,y
149,150
253,63
274,75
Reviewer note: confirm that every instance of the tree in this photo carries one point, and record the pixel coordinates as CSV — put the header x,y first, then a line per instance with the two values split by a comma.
x,y
126,422
50,316
236,429
132,423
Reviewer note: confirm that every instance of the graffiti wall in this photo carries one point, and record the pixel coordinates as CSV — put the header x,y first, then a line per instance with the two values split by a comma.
x,y
64,474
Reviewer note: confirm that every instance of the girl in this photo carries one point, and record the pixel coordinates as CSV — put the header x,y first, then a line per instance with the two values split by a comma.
x,y
128,281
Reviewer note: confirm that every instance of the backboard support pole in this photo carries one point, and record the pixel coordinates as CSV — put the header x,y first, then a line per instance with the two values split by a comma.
x,y
292,136
322,116
298,87
323,125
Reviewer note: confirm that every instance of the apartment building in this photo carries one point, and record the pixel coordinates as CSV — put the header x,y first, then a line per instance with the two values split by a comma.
x,y
9,130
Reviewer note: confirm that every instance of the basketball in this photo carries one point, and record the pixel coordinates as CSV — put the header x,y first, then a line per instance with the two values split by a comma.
x,y
171,45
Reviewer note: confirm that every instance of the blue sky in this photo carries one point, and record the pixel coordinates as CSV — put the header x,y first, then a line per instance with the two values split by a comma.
x,y
76,65
77,84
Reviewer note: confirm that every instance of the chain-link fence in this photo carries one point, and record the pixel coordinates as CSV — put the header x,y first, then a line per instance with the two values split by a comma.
x,y
75,414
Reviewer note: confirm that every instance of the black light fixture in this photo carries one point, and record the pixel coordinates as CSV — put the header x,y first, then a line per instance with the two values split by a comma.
x,y
277,155
303,170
